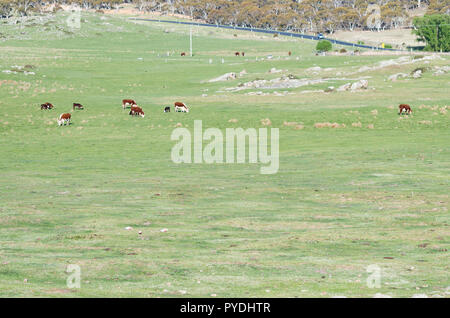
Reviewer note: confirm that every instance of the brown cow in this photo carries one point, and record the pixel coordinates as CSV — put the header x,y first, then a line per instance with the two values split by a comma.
x,y
126,102
46,106
183,53
243,53
77,105
136,111
64,119
406,108
237,53
289,53
181,107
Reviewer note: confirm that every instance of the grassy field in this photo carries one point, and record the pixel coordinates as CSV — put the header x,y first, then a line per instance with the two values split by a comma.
x,y
372,193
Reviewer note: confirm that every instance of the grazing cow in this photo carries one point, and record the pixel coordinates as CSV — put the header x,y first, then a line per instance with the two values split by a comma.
x,y
406,108
136,111
237,53
167,109
243,53
289,53
77,105
183,53
64,119
126,102
46,106
181,107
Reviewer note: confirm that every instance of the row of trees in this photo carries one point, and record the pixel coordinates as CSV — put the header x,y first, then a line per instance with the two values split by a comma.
x,y
296,15
300,15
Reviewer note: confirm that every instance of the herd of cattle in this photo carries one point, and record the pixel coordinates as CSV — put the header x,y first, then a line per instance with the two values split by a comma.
x,y
135,110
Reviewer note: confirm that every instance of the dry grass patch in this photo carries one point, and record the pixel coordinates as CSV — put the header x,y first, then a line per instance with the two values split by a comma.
x,y
297,126
329,125
266,122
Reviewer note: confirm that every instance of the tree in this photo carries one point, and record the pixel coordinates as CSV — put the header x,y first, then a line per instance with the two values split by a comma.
x,y
434,30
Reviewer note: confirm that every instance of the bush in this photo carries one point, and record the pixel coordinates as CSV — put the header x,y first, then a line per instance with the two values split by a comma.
x,y
360,42
388,46
343,51
324,46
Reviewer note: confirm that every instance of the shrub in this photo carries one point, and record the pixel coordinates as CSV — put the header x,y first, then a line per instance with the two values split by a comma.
x,y
324,46
388,46
343,51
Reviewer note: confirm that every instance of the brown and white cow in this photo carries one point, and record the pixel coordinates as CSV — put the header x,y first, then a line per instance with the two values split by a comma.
x,y
126,102
64,119
137,111
404,108
183,53
78,106
46,106
181,107
237,53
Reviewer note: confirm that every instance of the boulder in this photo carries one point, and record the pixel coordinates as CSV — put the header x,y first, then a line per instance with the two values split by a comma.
x,y
361,84
395,77
417,74
344,87
224,77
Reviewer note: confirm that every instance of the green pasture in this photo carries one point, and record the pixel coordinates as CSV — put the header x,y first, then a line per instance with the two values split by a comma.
x,y
373,192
